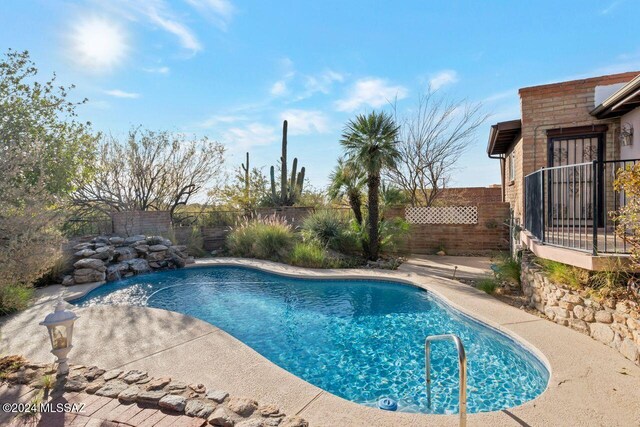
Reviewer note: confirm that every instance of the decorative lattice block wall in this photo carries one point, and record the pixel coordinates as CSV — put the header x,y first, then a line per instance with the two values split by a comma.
x,y
442,215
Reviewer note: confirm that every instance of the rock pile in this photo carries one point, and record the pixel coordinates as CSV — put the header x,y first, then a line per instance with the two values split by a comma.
x,y
112,258
137,387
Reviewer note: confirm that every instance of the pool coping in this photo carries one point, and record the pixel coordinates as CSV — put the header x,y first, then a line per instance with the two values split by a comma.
x,y
323,408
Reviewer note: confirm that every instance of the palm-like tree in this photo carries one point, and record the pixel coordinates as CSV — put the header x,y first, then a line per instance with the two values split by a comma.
x,y
369,142
348,180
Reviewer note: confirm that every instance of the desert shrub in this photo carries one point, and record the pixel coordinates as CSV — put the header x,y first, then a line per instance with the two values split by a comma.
x,y
263,237
612,280
628,216
309,254
487,285
391,233
14,298
564,274
508,269
330,229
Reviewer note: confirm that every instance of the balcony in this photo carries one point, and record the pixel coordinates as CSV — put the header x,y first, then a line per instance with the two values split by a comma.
x,y
571,207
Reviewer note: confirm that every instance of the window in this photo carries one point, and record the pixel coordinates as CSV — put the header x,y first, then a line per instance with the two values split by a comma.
x,y
512,166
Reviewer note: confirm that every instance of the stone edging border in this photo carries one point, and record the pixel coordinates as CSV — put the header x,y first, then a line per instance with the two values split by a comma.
x,y
134,386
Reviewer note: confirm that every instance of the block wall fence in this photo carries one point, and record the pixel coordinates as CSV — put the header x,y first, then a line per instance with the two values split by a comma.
x,y
489,234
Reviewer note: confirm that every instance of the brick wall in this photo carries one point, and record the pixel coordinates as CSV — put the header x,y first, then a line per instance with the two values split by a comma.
x,y
555,106
469,195
488,235
141,222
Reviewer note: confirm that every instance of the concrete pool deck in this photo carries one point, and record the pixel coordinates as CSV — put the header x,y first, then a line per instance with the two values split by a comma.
x,y
590,385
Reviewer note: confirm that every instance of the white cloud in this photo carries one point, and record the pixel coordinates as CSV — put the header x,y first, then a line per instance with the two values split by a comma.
x,y
371,91
219,12
98,44
251,135
122,94
279,88
157,70
187,38
443,78
213,121
303,122
610,7
159,14
322,83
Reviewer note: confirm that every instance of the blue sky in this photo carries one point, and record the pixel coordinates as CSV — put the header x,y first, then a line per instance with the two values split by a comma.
x,y
232,70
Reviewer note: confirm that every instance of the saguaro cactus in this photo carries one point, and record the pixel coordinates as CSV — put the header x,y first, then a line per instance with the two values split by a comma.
x,y
291,189
247,183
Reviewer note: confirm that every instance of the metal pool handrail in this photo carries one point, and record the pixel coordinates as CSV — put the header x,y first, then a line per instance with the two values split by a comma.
x,y
462,364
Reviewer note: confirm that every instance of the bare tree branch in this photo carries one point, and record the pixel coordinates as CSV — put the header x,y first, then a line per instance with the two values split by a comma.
x,y
432,138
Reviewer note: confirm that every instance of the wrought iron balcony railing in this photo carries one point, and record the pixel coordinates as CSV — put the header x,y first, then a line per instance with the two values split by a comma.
x,y
573,206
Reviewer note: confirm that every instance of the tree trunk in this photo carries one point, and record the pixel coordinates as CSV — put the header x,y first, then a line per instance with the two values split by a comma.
x,y
374,187
356,205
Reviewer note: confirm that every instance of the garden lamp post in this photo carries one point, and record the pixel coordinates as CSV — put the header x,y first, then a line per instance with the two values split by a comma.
x,y
60,327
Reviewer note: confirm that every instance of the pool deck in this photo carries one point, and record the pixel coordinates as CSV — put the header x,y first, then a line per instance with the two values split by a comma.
x,y
590,385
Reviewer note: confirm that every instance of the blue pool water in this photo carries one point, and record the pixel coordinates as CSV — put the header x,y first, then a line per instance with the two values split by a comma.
x,y
358,339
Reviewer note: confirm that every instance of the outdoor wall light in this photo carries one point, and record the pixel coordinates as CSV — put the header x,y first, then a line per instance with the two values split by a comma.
x,y
60,327
626,135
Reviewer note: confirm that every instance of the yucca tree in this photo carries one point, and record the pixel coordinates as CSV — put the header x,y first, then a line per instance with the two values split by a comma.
x,y
348,180
370,142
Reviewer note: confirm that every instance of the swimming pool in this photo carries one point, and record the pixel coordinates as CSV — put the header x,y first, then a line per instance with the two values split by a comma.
x,y
358,339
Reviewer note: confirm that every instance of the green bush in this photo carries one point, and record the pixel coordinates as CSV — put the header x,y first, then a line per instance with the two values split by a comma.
x,y
14,298
330,229
487,285
263,237
564,274
508,269
309,254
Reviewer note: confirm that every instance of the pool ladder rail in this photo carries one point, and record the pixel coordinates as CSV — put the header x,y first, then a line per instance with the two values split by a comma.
x,y
462,365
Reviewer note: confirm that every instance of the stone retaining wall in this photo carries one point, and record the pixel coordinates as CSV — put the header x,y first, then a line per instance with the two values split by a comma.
x,y
612,322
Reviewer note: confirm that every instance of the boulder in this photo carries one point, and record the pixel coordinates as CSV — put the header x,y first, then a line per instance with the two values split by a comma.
x,y
88,275
101,239
156,256
93,372
116,271
158,383
178,261
199,408
294,421
601,332
217,395
124,254
81,246
68,280
84,253
129,394
142,249
151,397
242,406
94,264
173,402
104,253
116,240
134,239
112,389
134,376
222,417
112,374
139,266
